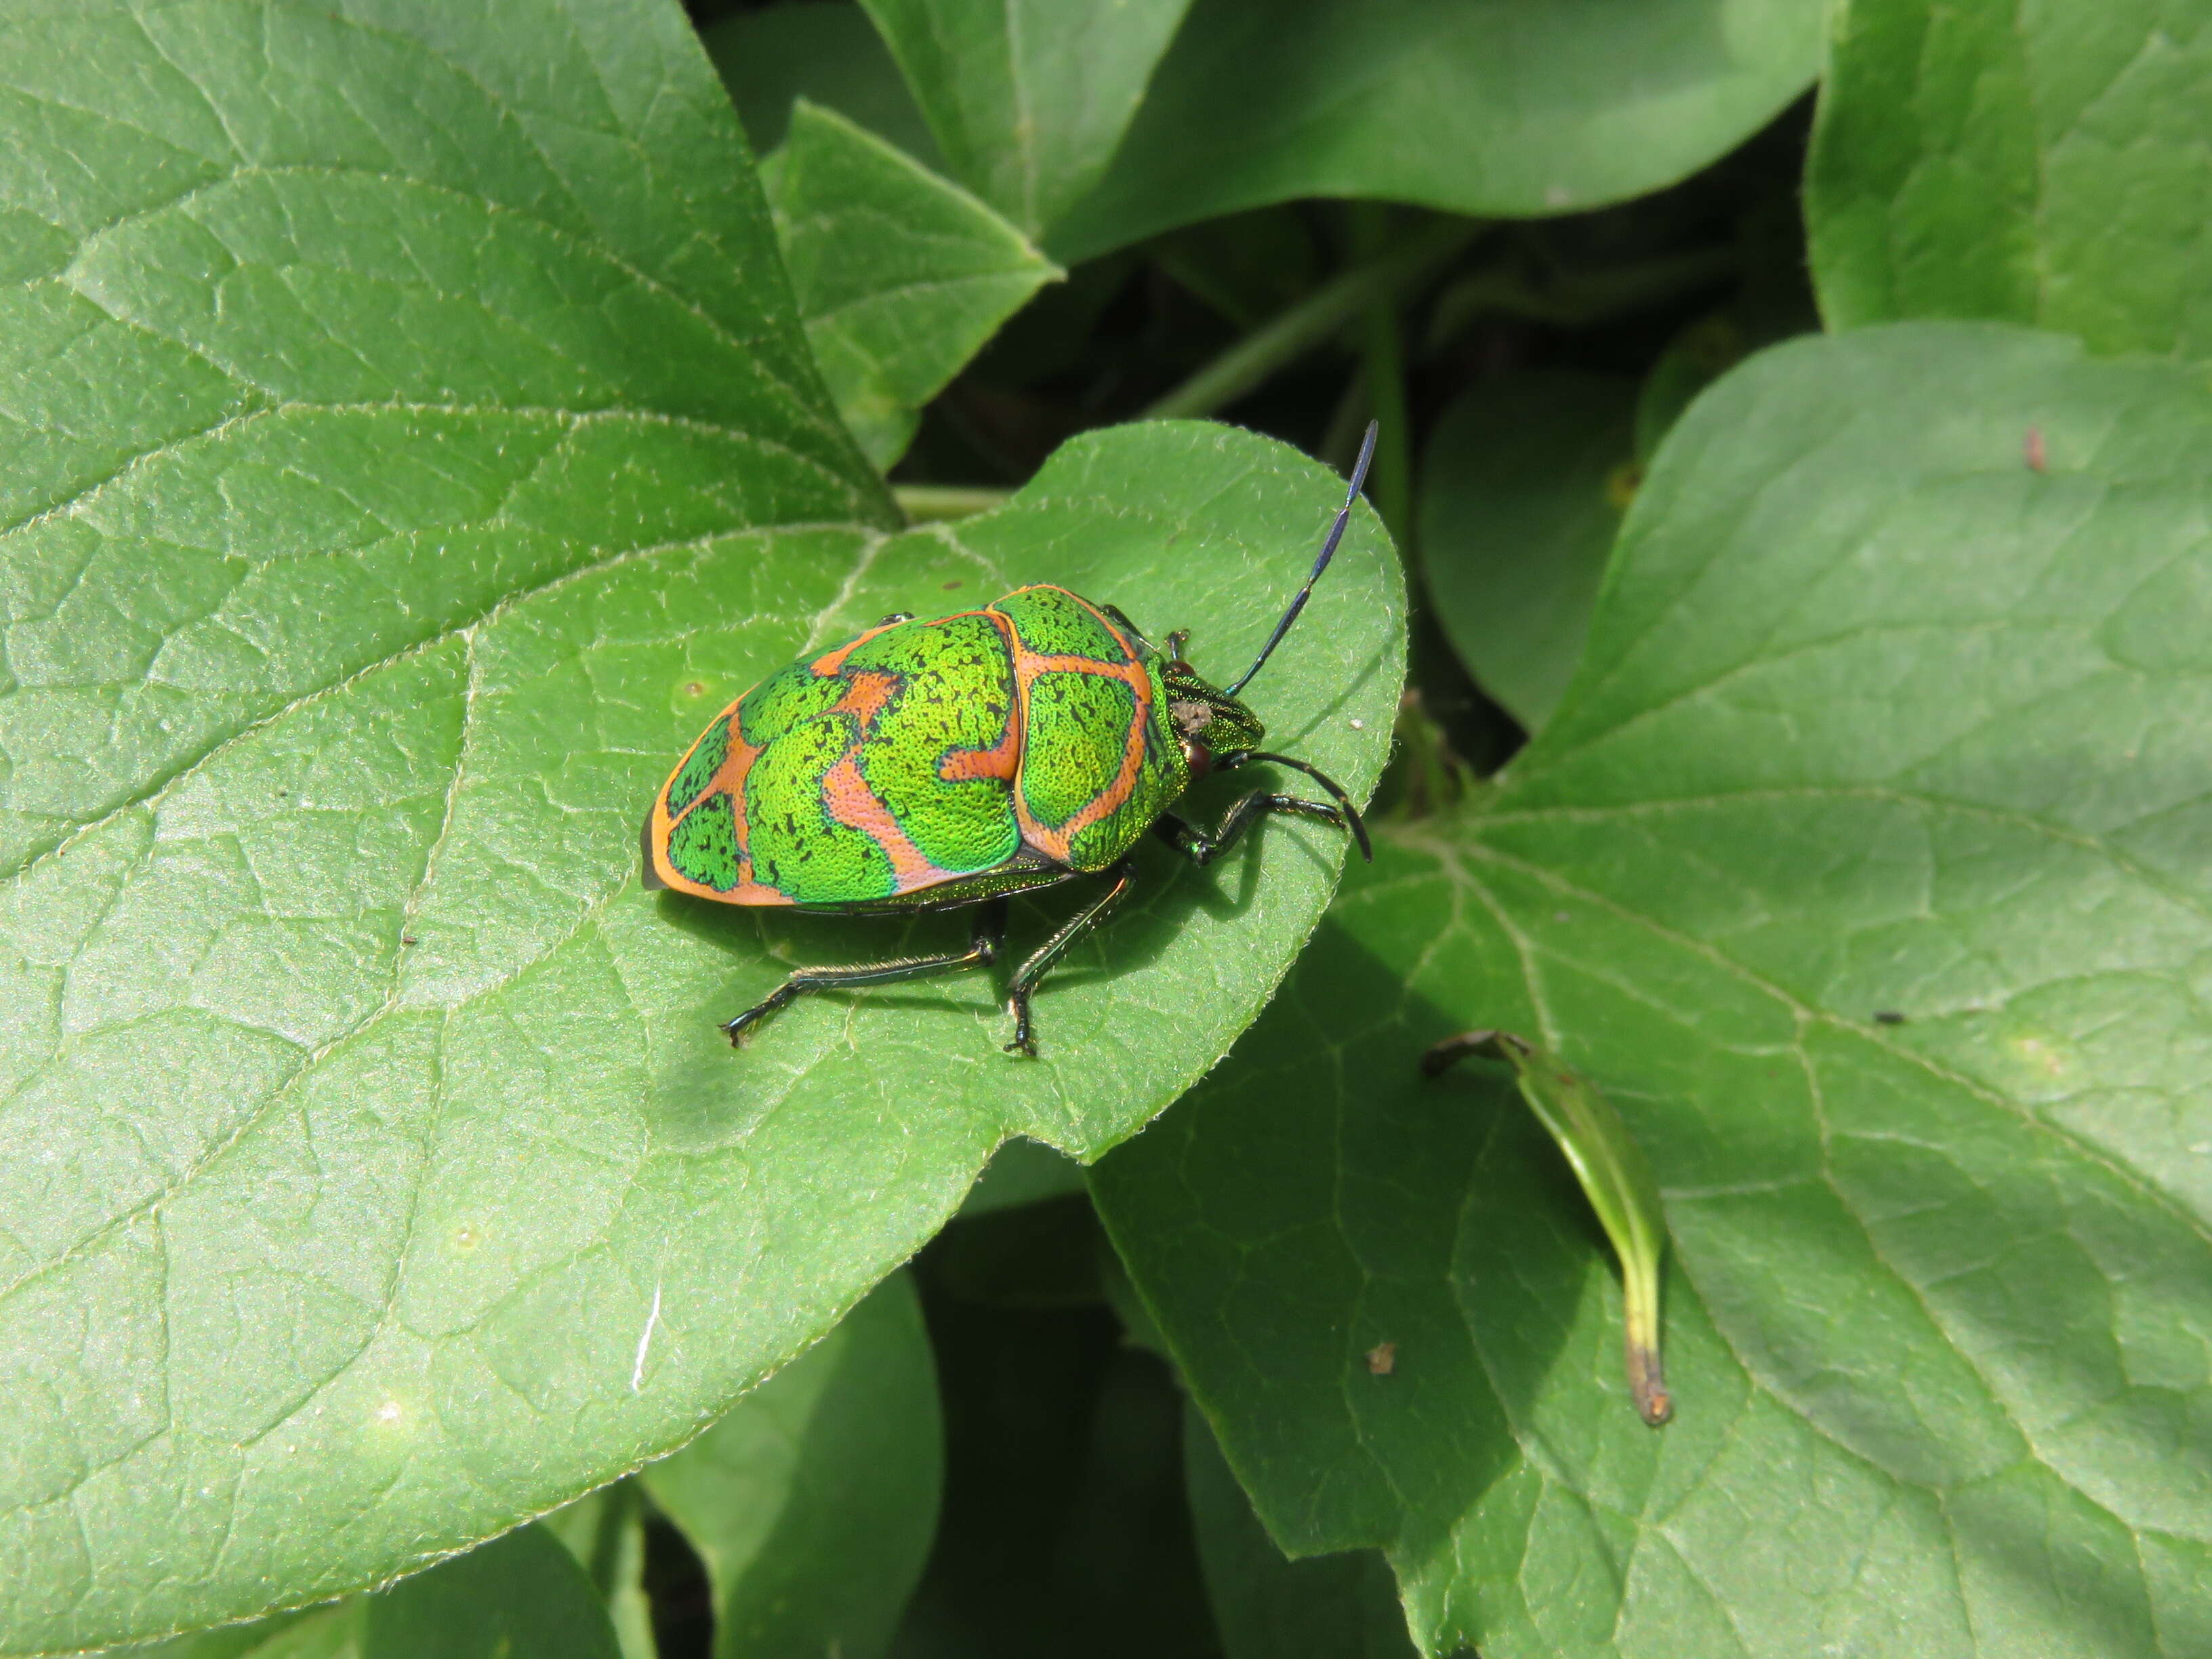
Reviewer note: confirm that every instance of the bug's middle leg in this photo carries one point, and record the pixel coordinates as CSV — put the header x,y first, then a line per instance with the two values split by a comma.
x,y
989,934
1024,982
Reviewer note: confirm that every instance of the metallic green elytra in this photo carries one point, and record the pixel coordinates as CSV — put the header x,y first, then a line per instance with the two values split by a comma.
x,y
955,761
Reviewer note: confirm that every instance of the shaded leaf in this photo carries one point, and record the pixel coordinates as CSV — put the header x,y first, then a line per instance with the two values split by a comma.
x,y
604,1531
330,1632
1481,107
1335,1606
1022,1172
521,1594
813,1501
1027,98
1692,361
1875,721
827,52
1614,1177
414,443
2031,164
900,276
1522,488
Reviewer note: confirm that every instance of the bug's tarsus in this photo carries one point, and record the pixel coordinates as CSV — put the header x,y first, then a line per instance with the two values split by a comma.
x,y
984,944
1024,982
1327,552
1351,819
1202,849
1178,643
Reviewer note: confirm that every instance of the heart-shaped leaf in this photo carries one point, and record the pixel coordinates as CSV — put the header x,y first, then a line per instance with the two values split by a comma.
x,y
1481,107
413,441
1868,867
2034,164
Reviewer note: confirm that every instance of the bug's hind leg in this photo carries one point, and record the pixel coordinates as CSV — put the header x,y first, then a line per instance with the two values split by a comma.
x,y
1024,982
983,949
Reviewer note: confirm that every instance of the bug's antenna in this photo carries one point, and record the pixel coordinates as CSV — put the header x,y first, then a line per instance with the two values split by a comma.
x,y
1327,552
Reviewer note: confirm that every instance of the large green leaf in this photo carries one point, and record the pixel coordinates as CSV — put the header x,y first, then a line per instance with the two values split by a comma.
x,y
901,278
1522,487
813,1502
1868,867
327,334
1027,98
402,408
2042,164
1482,106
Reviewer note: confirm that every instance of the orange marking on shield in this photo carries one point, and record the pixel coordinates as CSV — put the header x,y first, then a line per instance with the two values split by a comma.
x,y
832,662
867,692
853,804
1001,761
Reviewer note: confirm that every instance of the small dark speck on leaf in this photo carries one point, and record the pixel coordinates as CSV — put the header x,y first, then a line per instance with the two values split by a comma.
x,y
2032,447
1888,1016
954,583
284,791
693,688
1561,916
409,938
1382,1359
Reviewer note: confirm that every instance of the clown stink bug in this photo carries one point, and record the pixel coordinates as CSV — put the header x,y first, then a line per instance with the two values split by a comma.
x,y
923,765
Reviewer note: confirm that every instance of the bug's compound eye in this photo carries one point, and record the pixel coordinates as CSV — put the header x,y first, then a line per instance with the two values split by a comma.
x,y
1190,716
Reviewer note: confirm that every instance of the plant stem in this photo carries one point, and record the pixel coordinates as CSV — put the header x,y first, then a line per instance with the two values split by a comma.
x,y
1574,298
933,503
1314,319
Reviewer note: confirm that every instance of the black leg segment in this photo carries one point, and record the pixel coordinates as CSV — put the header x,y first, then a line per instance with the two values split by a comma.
x,y
1025,983
983,949
1202,849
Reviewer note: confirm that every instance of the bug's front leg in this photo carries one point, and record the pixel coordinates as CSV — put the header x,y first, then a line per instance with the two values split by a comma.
x,y
1202,849
990,933
1024,982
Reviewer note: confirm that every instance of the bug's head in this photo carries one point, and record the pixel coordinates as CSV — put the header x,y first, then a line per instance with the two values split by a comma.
x,y
1208,719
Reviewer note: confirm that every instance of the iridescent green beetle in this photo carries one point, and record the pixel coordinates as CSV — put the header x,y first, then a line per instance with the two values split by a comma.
x,y
923,765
